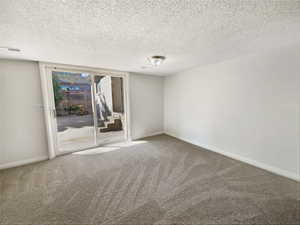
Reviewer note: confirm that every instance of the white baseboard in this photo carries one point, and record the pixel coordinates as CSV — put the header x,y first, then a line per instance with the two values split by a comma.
x,y
149,135
23,162
252,162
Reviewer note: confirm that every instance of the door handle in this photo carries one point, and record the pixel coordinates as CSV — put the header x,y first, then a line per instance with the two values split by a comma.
x,y
54,113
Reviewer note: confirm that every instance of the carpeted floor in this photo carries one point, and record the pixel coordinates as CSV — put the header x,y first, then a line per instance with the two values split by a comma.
x,y
159,180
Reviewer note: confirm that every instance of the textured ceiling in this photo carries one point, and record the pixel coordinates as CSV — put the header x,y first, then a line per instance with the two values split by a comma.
x,y
121,34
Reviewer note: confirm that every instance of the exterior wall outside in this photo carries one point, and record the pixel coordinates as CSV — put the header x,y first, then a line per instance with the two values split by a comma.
x,y
103,98
117,94
105,86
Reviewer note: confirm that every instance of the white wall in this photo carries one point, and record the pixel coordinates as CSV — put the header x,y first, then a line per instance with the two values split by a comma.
x,y
22,127
146,99
247,108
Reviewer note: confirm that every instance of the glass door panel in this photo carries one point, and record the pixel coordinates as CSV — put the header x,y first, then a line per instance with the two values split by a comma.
x,y
74,110
109,106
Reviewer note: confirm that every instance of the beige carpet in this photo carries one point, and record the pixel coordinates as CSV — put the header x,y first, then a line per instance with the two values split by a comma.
x,y
160,180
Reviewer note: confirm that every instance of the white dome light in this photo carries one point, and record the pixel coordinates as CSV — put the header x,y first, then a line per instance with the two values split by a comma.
x,y
156,60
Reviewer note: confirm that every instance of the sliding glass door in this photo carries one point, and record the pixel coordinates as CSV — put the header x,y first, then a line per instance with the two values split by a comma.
x,y
88,110
73,110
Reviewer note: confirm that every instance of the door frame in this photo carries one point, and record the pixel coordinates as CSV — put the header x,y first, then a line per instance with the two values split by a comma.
x,y
49,105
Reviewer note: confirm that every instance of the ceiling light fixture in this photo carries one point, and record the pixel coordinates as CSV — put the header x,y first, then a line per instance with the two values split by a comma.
x,y
156,60
10,49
